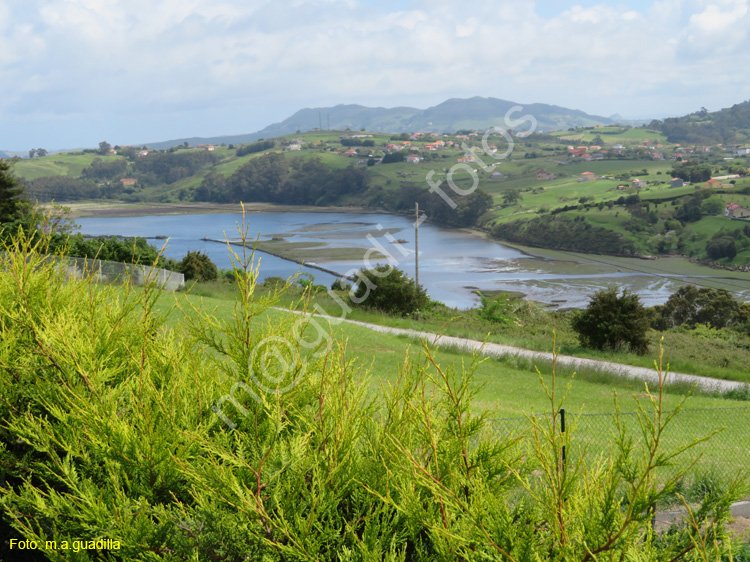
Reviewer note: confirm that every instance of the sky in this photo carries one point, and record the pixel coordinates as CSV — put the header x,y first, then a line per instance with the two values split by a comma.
x,y
77,72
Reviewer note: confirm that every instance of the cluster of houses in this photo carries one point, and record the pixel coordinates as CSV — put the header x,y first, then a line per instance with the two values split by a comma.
x,y
429,146
587,153
594,152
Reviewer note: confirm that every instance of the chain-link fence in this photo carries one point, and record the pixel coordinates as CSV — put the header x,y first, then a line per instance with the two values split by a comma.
x,y
115,272
592,436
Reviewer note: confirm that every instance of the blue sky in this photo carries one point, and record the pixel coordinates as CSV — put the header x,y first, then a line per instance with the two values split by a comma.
x,y
76,72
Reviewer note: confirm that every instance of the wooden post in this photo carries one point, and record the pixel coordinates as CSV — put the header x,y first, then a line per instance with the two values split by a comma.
x,y
562,427
416,245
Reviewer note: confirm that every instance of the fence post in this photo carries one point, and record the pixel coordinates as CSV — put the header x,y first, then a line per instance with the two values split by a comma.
x,y
562,430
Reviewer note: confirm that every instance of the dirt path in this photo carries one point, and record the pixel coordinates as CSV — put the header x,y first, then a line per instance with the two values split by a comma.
x,y
498,350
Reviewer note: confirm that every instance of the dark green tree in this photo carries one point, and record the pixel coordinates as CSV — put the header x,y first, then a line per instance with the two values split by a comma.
x,y
722,247
13,206
104,147
690,306
198,266
613,321
388,289
393,157
511,197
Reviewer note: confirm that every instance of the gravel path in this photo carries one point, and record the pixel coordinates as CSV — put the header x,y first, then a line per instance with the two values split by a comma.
x,y
498,350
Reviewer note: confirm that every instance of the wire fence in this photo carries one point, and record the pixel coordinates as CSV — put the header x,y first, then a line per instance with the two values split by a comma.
x,y
115,272
594,436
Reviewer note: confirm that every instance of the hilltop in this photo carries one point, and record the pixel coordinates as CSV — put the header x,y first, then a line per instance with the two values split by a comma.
x,y
728,125
450,116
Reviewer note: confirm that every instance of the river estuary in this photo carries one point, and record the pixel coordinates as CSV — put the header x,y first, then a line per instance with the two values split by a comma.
x,y
452,264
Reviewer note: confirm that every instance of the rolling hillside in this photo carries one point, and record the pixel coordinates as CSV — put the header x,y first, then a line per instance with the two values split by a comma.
x,y
451,115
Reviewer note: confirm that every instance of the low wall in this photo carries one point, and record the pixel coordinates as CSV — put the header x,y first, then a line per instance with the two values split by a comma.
x,y
115,272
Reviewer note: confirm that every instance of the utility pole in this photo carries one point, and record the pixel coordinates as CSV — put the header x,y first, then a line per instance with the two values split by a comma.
x,y
416,244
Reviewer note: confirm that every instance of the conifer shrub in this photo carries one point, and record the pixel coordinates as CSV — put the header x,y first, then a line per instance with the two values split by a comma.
x,y
198,266
613,321
252,437
389,290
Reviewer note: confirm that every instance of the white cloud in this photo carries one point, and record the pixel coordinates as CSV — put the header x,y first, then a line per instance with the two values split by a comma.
x,y
717,19
213,60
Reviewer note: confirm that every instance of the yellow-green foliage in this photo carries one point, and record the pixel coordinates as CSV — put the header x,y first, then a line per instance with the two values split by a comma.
x,y
231,439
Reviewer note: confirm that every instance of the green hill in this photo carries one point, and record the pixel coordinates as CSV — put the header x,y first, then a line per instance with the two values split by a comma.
x,y
451,115
512,200
728,125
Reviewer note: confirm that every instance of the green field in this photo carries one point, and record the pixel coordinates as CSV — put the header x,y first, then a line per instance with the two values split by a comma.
x,y
510,388
612,135
62,164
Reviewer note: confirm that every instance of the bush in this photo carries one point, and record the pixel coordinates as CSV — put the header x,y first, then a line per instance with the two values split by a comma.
x,y
393,157
274,282
611,322
225,438
389,290
340,285
723,247
691,306
497,309
198,266
127,250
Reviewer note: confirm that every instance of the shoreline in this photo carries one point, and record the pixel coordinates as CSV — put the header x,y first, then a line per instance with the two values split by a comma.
x,y
665,267
121,209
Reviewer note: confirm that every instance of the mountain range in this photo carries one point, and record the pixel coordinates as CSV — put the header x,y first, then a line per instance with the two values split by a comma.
x,y
475,113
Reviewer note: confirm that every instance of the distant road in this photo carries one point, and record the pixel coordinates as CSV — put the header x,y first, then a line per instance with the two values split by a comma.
x,y
498,350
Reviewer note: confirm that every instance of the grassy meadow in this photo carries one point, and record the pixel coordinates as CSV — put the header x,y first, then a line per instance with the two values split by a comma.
x,y
511,387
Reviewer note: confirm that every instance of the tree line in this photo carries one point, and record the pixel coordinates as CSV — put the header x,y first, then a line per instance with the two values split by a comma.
x,y
703,127
272,178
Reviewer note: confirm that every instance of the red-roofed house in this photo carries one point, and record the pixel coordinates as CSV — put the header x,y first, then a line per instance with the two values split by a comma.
x,y
544,175
128,182
736,211
588,176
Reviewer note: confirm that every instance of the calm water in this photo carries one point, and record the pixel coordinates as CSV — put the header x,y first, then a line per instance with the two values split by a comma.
x,y
451,263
